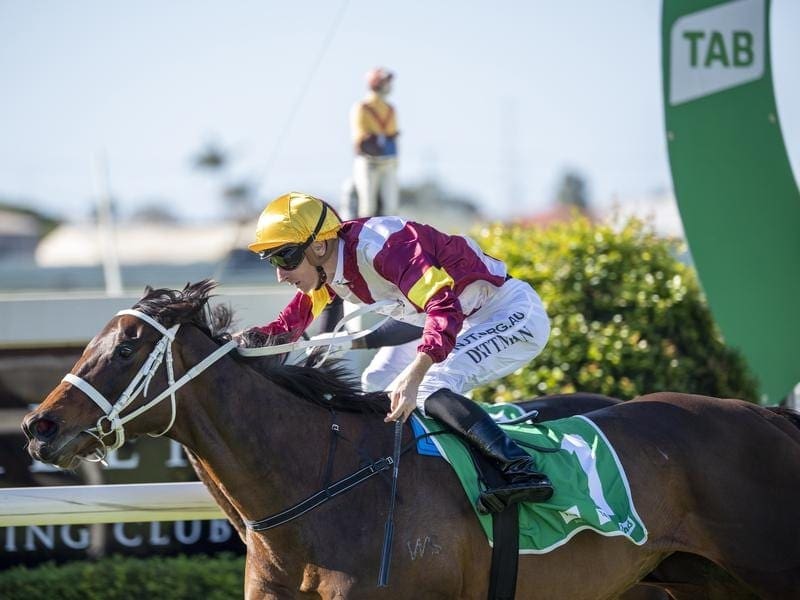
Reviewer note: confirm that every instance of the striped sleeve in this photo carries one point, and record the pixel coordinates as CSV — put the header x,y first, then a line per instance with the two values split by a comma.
x,y
442,324
405,261
295,318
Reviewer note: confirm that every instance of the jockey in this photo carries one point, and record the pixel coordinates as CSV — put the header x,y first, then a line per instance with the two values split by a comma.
x,y
478,323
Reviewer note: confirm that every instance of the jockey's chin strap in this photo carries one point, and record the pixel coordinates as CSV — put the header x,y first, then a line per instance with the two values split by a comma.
x,y
139,385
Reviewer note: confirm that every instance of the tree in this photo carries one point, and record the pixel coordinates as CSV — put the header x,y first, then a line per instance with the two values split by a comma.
x,y
155,211
46,223
572,191
211,157
237,194
627,316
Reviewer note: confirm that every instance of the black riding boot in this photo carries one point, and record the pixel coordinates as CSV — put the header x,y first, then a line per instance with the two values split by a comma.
x,y
525,483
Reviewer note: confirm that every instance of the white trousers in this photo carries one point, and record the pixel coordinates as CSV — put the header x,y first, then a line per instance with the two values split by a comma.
x,y
505,334
371,176
386,365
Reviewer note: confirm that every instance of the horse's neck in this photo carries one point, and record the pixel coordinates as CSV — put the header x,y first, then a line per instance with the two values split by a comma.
x,y
255,441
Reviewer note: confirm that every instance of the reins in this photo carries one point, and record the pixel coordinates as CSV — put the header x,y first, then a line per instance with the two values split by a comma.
x,y
331,339
329,490
163,351
112,413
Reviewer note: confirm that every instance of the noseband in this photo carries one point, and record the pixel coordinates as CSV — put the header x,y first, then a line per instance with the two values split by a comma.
x,y
139,385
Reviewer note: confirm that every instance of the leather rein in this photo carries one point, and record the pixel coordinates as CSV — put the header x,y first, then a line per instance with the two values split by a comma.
x,y
113,422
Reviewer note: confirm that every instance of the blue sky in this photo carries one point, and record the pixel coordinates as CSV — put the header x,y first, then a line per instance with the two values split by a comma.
x,y
495,100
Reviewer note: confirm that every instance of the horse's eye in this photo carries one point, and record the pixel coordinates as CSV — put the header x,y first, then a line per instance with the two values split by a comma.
x,y
124,350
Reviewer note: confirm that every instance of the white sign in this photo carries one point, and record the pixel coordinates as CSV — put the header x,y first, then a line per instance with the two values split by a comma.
x,y
716,49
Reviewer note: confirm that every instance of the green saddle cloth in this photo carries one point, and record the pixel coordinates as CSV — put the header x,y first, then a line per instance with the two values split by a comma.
x,y
591,488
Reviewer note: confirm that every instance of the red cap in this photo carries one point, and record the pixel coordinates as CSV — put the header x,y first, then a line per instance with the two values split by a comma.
x,y
377,77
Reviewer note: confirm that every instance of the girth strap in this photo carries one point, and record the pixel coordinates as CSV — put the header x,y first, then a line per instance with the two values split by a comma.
x,y
321,496
505,535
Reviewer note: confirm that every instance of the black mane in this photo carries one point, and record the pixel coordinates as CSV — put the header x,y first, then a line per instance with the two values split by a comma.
x,y
331,385
170,307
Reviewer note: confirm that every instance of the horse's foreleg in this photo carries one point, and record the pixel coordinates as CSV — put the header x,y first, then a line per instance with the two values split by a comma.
x,y
326,584
256,588
263,580
317,584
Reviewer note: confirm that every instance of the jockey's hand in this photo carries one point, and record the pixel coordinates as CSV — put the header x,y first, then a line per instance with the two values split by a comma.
x,y
403,402
238,337
404,389
252,337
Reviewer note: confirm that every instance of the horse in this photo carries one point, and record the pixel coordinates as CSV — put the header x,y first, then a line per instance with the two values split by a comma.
x,y
714,480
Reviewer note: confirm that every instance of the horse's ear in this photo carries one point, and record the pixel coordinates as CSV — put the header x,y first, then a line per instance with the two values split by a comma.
x,y
147,290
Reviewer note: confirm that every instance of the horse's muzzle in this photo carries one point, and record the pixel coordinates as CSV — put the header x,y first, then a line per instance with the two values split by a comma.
x,y
48,443
40,428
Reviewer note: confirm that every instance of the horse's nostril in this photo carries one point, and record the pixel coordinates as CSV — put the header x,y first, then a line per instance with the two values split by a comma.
x,y
43,429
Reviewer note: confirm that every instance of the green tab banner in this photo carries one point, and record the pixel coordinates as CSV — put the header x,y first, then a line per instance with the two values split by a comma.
x,y
737,195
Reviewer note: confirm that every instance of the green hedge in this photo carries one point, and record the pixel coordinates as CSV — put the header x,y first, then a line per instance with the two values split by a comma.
x,y
121,578
628,317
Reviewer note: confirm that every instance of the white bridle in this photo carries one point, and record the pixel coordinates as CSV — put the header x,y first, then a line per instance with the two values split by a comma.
x,y
140,384
163,349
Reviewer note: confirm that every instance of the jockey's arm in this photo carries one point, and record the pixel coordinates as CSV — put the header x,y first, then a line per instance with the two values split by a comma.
x,y
291,322
444,318
390,333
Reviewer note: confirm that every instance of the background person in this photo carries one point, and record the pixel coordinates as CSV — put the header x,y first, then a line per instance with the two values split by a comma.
x,y
373,123
373,189
478,323
374,133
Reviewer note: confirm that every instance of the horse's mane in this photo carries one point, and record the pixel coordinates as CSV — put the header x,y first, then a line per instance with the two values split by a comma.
x,y
331,386
188,306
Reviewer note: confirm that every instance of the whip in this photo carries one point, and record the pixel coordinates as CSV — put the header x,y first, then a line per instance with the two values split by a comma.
x,y
388,530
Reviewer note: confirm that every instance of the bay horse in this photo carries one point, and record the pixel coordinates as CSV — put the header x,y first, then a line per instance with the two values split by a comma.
x,y
714,481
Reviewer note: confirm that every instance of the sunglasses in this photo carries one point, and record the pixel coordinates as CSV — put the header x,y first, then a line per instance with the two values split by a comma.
x,y
287,258
290,256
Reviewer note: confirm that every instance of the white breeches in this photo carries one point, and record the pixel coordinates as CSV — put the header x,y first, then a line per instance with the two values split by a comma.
x,y
386,364
371,176
505,334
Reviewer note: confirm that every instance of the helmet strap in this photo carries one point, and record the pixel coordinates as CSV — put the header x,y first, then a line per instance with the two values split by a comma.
x,y
322,276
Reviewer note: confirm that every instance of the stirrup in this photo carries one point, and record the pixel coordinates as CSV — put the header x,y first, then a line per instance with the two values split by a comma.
x,y
498,499
487,503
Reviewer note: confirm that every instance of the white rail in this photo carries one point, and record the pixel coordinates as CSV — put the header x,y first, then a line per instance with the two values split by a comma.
x,y
125,503
34,319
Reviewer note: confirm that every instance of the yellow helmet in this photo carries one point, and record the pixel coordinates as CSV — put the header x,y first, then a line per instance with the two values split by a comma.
x,y
295,218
